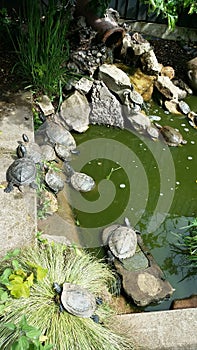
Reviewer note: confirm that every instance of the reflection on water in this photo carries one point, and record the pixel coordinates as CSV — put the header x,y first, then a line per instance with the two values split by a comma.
x,y
150,183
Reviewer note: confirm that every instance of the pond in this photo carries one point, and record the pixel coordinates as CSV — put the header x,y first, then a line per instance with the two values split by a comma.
x,y
150,183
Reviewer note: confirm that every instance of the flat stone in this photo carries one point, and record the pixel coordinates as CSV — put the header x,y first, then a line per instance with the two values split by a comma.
x,y
75,111
168,89
145,285
114,78
161,330
45,105
136,262
84,85
18,209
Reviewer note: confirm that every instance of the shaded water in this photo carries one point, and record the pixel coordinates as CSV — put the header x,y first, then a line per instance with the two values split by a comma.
x,y
152,184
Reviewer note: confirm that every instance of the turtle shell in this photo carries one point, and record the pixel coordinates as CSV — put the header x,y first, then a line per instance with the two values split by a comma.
x,y
78,300
58,134
21,172
136,97
123,242
48,152
82,182
54,181
172,136
63,152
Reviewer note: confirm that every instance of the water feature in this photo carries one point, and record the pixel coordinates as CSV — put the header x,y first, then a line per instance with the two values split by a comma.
x,y
152,184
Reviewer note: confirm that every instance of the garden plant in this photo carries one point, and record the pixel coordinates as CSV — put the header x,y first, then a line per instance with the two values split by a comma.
x,y
28,299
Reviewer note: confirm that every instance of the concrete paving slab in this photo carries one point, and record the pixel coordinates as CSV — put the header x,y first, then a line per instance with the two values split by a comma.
x,y
18,221
161,330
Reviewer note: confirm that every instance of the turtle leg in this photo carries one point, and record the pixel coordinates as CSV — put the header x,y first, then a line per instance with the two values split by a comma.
x,y
9,187
33,185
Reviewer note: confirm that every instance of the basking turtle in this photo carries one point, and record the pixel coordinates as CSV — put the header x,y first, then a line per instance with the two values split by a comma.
x,y
53,133
79,181
32,149
121,239
76,299
54,181
21,172
64,152
171,136
48,152
133,100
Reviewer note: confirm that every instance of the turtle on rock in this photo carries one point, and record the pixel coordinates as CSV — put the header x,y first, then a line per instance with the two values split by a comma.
x,y
54,181
79,181
76,299
121,240
32,150
171,136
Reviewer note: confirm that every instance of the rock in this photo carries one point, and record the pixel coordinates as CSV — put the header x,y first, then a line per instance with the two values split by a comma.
x,y
149,62
143,83
168,89
190,302
192,73
144,284
114,78
106,109
46,105
56,239
168,72
75,111
137,262
83,85
171,106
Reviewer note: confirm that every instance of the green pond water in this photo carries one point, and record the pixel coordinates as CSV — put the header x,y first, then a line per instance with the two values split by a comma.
x,y
150,183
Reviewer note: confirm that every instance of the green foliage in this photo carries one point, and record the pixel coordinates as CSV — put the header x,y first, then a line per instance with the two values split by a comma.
x,y
41,45
29,337
98,7
171,9
16,282
64,330
187,244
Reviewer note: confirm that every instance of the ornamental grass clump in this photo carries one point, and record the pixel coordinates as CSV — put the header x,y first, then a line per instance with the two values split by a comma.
x,y
41,45
39,268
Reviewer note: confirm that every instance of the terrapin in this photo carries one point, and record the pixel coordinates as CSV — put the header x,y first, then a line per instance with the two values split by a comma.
x,y
33,150
121,239
64,152
54,181
171,136
76,299
53,133
79,181
132,100
21,172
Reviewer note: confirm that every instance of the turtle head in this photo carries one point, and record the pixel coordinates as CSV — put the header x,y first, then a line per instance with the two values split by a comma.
x,y
57,287
21,151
